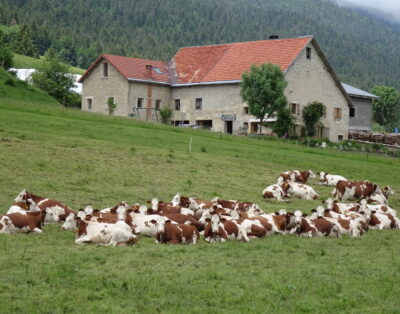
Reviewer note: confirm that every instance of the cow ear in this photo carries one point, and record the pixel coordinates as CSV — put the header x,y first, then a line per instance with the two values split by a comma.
x,y
373,212
96,210
208,219
153,221
78,218
362,212
305,215
222,220
326,210
313,210
148,202
168,221
318,173
277,213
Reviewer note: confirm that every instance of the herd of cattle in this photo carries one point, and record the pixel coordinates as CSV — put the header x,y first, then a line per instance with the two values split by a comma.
x,y
184,219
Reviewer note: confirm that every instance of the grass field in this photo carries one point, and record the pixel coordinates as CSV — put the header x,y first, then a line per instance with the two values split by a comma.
x,y
81,158
25,62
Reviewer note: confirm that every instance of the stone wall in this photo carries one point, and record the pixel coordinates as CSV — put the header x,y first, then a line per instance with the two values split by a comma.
x,y
99,88
309,81
363,114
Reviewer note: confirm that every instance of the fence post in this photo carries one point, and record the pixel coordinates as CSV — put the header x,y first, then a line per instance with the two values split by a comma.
x,y
190,145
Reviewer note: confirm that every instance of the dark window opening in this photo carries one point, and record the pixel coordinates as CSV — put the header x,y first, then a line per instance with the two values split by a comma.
x,y
199,103
140,102
340,137
204,124
105,69
295,108
177,104
352,112
158,104
246,110
89,103
308,53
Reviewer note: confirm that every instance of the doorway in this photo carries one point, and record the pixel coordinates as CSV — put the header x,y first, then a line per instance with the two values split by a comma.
x,y
229,127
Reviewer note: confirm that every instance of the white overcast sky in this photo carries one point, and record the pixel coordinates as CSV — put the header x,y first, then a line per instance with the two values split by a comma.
x,y
388,6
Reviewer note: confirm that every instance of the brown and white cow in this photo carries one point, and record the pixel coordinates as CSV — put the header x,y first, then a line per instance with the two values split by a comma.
x,y
382,196
329,179
346,190
221,230
25,223
319,227
295,176
276,192
167,232
45,204
104,234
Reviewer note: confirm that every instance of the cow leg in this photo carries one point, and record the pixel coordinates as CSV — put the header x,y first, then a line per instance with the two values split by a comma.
x,y
37,230
82,240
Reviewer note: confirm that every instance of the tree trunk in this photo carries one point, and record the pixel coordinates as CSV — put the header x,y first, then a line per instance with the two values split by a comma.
x,y
261,119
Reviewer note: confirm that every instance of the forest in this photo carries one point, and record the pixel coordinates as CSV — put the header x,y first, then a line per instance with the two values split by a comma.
x,y
363,50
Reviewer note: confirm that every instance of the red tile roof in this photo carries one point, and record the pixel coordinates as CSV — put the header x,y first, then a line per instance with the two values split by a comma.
x,y
133,68
228,62
215,63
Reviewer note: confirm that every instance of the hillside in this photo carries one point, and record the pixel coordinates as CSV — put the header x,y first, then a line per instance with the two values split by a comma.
x,y
82,158
363,50
25,62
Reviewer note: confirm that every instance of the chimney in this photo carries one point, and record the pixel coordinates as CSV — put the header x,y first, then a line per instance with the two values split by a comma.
x,y
149,71
274,37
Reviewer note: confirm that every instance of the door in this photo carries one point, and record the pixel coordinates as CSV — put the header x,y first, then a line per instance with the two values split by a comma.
x,y
229,127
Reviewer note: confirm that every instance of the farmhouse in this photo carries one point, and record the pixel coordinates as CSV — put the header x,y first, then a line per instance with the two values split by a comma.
x,y
202,85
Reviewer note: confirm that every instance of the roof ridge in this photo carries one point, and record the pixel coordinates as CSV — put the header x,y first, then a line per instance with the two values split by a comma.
x,y
246,42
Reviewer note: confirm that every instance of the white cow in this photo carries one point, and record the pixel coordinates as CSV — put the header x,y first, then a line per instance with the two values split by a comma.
x,y
329,179
104,233
300,190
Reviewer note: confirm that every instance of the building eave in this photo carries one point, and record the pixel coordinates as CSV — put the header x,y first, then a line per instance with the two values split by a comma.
x,y
148,81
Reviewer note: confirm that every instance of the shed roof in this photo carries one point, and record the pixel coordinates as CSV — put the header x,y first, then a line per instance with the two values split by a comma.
x,y
353,91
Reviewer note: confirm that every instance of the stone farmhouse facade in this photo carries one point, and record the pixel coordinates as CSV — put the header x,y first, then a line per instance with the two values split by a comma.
x,y
202,85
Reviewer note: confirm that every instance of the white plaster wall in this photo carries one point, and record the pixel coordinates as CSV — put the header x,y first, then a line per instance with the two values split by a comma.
x,y
309,81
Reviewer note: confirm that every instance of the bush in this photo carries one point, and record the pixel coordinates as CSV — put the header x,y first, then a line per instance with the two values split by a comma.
x,y
165,115
10,82
311,115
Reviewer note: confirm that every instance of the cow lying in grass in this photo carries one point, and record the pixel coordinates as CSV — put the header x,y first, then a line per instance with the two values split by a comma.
x,y
329,179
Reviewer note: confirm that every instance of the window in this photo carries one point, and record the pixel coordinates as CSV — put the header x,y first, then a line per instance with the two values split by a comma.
x,y
110,99
158,104
337,113
352,112
89,102
340,138
324,111
308,52
140,102
199,103
246,110
177,104
295,108
105,69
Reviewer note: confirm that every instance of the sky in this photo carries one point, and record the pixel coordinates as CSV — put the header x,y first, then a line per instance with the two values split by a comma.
x,y
391,7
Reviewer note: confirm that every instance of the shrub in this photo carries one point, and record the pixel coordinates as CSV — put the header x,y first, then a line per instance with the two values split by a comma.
x,y
10,82
165,115
311,115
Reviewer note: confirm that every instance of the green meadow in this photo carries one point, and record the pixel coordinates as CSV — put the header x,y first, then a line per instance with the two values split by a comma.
x,y
80,158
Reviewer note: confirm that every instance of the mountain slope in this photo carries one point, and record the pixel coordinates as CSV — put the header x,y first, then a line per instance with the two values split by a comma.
x,y
363,51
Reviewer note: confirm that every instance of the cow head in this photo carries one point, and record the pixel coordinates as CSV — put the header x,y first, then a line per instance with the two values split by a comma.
x,y
192,204
88,209
33,207
154,203
322,176
387,191
176,199
50,216
22,196
70,223
5,225
204,216
329,203
298,217
310,174
121,212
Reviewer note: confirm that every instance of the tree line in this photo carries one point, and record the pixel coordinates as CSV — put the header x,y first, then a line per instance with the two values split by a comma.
x,y
363,51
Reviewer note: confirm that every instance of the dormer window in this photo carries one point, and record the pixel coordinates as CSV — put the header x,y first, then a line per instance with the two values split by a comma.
x,y
105,69
308,53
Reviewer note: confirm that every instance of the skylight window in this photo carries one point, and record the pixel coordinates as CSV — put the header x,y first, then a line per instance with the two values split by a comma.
x,y
157,70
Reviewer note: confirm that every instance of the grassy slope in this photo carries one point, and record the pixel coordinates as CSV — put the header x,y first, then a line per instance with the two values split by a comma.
x,y
25,62
84,158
